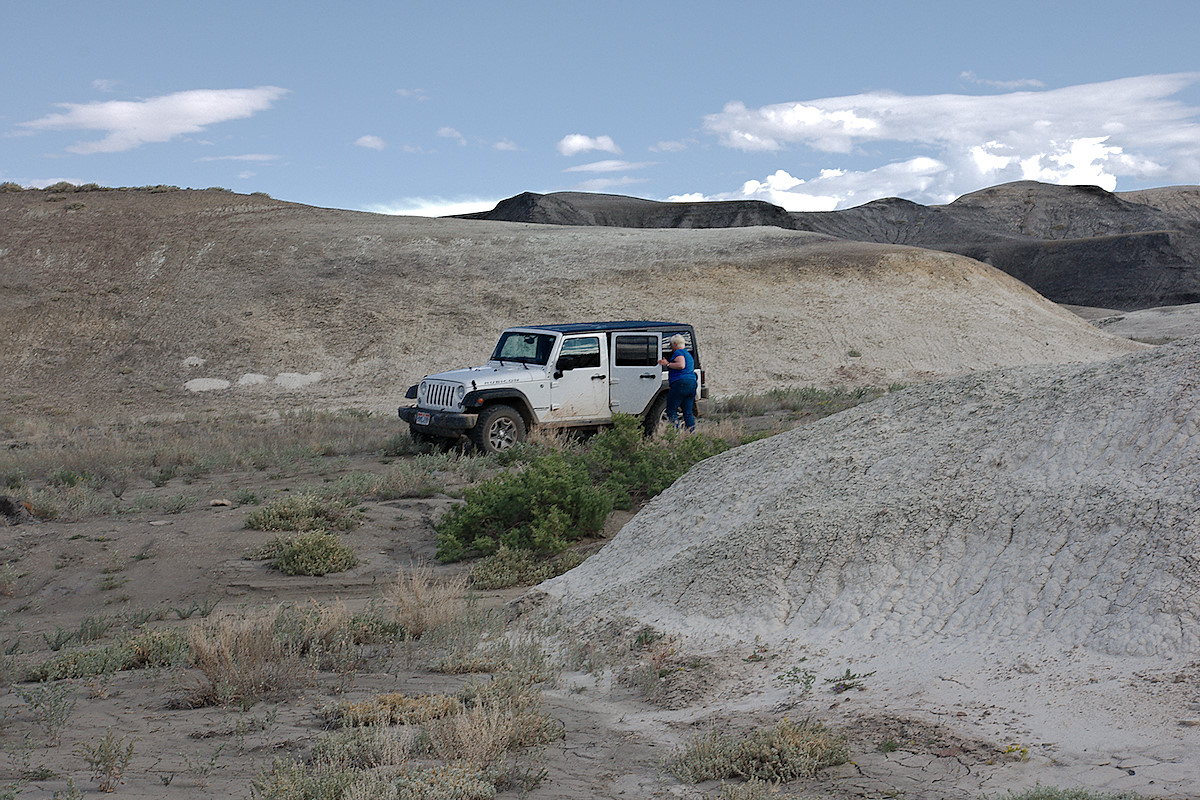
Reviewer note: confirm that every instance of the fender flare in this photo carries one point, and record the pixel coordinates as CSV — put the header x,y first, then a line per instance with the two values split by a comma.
x,y
476,401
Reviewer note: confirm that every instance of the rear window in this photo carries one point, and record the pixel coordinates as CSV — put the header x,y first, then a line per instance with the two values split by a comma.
x,y
687,343
638,351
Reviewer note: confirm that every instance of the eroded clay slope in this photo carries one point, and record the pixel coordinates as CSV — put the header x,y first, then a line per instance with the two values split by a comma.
x,y
1047,503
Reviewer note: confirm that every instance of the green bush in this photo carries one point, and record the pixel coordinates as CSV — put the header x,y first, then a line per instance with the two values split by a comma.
x,y
560,496
540,508
312,553
634,469
506,568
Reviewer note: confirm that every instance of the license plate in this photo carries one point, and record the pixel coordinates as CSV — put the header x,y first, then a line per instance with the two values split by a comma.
x,y
422,418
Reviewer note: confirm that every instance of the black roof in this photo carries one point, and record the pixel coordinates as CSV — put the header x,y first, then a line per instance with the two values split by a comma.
x,y
622,325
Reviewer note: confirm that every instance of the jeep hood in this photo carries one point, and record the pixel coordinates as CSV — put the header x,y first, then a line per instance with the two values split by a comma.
x,y
492,375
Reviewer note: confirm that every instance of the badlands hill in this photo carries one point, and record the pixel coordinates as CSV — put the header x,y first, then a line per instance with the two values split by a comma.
x,y
1015,554
1078,245
152,301
1056,503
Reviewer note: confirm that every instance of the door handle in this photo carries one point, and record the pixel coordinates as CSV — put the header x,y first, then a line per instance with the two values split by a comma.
x,y
650,375
599,377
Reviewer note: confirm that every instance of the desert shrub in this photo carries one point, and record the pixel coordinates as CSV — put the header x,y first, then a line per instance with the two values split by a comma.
x,y
506,568
9,186
108,759
363,748
539,508
311,553
146,648
303,512
287,779
444,782
783,752
61,186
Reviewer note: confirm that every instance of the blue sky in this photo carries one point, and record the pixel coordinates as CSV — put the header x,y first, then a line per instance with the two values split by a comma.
x,y
435,108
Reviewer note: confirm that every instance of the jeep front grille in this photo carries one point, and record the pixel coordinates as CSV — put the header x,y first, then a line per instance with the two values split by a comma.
x,y
440,395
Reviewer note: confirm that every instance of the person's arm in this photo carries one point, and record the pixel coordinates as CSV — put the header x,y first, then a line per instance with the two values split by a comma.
x,y
678,363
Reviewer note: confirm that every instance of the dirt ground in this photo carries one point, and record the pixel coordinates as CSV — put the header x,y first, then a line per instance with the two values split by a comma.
x,y
178,569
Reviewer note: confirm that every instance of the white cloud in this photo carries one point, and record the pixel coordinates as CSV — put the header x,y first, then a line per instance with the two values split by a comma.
x,y
431,207
1018,83
104,85
611,165
130,124
835,188
450,133
672,146
244,157
1089,134
604,184
576,143
370,142
504,145
413,94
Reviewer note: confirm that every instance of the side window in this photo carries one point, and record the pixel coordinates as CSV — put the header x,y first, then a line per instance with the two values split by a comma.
x,y
637,351
580,353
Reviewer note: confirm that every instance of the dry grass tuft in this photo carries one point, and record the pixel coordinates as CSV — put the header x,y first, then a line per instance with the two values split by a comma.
x,y
243,659
392,708
423,602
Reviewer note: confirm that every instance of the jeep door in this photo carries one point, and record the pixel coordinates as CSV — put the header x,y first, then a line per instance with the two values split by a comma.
x,y
579,391
635,373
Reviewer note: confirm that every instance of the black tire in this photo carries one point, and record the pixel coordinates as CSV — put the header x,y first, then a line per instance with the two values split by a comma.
x,y
499,427
656,415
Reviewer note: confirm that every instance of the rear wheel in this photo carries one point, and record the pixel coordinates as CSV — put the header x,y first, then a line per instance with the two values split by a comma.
x,y
498,428
656,415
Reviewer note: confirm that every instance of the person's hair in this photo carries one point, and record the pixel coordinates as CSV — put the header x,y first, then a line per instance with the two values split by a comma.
x,y
677,341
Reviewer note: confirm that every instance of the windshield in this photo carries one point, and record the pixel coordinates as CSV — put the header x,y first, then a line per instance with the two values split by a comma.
x,y
528,348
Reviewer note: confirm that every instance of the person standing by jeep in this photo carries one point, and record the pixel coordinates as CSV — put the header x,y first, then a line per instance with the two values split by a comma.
x,y
681,383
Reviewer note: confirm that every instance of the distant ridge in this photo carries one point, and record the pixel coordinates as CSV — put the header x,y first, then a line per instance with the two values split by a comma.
x,y
618,211
1079,245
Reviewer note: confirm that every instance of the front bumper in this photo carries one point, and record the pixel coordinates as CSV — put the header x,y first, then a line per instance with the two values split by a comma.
x,y
447,422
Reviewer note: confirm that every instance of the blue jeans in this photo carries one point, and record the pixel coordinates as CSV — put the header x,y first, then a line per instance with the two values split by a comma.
x,y
681,396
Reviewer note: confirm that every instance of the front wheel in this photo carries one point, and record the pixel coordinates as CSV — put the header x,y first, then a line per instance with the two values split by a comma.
x,y
498,428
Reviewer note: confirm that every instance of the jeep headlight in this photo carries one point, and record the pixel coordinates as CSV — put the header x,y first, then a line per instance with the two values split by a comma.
x,y
460,392
422,392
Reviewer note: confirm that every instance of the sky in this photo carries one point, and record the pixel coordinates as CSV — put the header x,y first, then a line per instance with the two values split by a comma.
x,y
436,108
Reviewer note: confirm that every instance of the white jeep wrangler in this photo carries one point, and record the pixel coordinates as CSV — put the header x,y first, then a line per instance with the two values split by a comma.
x,y
560,376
